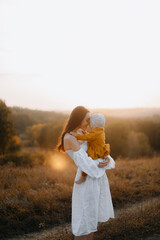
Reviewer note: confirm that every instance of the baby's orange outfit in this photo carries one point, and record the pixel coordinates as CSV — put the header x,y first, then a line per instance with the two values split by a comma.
x,y
97,148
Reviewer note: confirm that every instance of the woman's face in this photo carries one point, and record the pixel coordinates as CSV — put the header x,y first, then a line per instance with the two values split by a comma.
x,y
85,122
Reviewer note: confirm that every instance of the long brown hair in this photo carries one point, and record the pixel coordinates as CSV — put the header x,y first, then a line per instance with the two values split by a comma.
x,y
75,119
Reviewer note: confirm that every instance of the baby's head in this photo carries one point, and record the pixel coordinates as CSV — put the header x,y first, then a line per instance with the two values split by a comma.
x,y
97,120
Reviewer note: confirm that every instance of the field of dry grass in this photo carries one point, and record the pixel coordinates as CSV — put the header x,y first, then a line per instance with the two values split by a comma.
x,y
139,222
40,197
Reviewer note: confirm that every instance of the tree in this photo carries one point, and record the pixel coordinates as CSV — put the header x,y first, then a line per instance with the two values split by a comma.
x,y
6,127
117,137
15,144
138,145
33,133
49,134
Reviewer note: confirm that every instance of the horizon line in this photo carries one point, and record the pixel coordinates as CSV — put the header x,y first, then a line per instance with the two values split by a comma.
x,y
96,108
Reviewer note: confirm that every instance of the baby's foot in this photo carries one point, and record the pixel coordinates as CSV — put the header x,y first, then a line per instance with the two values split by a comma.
x,y
82,179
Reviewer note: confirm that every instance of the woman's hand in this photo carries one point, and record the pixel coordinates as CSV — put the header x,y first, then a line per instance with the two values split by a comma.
x,y
103,164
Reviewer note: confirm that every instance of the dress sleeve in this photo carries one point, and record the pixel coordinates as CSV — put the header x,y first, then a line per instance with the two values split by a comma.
x,y
87,136
87,164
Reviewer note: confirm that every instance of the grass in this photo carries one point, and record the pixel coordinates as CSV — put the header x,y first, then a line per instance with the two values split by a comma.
x,y
133,223
129,224
40,197
134,180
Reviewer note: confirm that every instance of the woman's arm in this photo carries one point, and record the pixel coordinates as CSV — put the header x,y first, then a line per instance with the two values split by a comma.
x,y
87,164
81,158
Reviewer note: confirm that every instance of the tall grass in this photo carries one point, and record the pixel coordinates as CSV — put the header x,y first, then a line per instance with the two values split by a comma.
x,y
134,180
40,197
132,224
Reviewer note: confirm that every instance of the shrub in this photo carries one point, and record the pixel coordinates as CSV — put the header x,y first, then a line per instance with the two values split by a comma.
x,y
24,159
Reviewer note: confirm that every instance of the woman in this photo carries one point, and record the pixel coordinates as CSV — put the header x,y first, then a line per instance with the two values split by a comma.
x,y
91,200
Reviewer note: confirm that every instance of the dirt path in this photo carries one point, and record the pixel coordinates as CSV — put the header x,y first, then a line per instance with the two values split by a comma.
x,y
67,227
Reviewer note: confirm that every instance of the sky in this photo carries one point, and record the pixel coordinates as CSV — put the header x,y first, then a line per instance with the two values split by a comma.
x,y
55,55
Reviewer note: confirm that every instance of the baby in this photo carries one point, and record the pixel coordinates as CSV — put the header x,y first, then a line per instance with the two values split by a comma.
x,y
95,140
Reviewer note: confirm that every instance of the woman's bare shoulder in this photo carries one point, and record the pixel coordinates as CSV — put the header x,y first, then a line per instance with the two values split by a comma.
x,y
70,142
68,137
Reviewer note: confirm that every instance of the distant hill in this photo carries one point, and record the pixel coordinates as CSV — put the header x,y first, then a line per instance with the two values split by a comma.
x,y
43,116
129,112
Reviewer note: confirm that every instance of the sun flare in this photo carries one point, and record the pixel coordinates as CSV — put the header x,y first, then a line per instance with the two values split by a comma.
x,y
58,162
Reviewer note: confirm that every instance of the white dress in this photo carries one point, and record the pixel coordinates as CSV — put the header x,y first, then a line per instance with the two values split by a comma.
x,y
91,200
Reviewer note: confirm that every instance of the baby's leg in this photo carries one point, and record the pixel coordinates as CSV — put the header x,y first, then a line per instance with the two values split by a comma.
x,y
82,178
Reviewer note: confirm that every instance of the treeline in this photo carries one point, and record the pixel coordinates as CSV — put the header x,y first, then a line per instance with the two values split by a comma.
x,y
134,137
38,128
127,137
9,141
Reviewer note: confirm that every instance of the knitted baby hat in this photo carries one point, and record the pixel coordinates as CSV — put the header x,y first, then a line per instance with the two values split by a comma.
x,y
97,120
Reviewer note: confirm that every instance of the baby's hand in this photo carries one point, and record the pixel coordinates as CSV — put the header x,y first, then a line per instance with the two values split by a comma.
x,y
81,131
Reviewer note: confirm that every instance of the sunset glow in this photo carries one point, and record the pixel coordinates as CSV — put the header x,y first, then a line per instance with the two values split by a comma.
x,y
55,55
58,162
